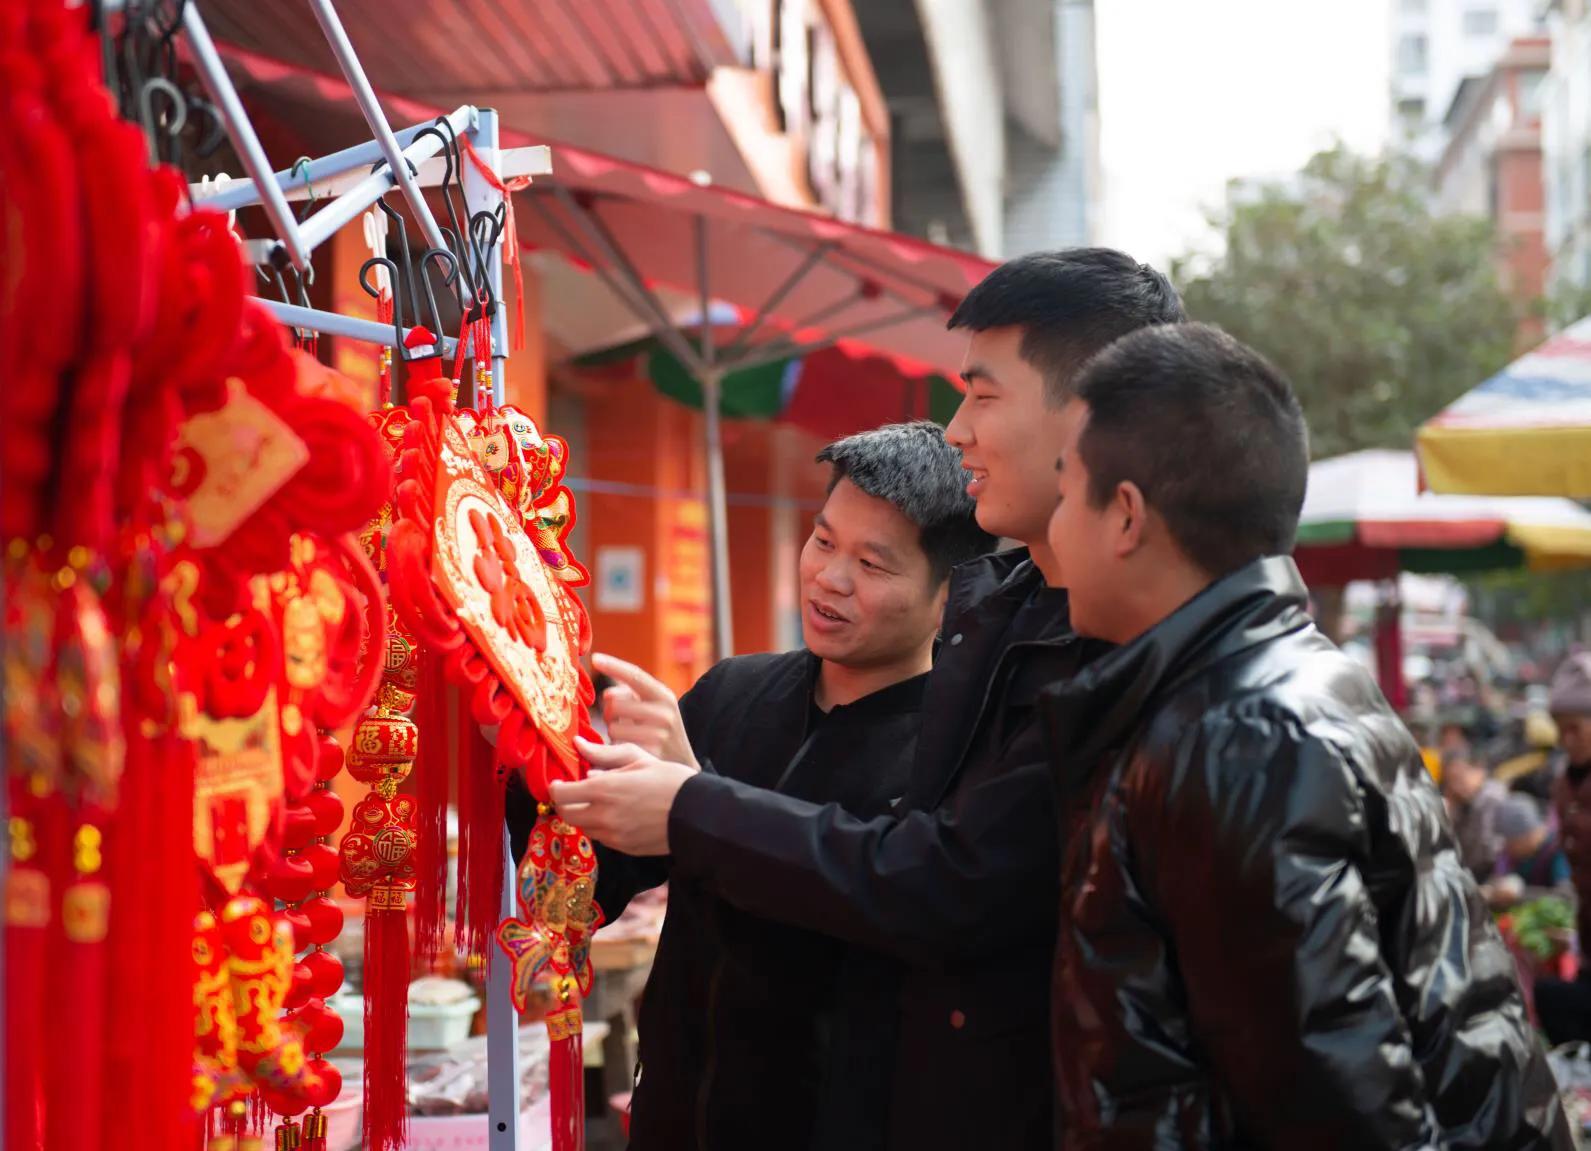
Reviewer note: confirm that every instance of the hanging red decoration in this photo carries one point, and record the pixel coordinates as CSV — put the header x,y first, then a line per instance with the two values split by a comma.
x,y
551,943
377,864
478,568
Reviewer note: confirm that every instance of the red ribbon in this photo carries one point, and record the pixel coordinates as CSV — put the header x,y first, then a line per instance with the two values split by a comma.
x,y
511,233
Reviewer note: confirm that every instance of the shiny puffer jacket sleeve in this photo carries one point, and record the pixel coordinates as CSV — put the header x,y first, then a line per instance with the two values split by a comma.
x,y
1346,981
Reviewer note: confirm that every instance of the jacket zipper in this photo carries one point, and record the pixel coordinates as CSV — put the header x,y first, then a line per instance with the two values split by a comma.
x,y
977,719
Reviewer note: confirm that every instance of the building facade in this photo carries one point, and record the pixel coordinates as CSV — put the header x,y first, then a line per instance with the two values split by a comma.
x,y
1566,146
1436,45
1491,166
994,119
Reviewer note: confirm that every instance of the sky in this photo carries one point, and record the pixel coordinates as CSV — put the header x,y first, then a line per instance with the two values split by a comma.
x,y
1193,93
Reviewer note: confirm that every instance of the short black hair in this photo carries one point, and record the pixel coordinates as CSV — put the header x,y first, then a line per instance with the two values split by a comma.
x,y
911,467
1211,434
1070,304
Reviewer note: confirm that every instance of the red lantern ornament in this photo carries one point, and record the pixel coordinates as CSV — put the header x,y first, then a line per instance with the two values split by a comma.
x,y
377,863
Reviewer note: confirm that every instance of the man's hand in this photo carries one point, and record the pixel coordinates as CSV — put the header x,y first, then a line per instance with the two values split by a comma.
x,y
643,711
626,804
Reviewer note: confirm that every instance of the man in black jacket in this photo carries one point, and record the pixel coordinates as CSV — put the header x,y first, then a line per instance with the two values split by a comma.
x,y
739,1017
1268,939
958,884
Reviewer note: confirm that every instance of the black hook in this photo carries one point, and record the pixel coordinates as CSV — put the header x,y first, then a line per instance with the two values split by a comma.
x,y
407,280
375,293
156,125
275,276
447,280
303,280
453,161
213,138
166,32
486,227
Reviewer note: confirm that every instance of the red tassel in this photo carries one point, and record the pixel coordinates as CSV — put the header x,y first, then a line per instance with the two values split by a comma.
x,y
431,796
124,1085
461,731
27,913
566,1084
149,1043
481,822
386,1028
76,1066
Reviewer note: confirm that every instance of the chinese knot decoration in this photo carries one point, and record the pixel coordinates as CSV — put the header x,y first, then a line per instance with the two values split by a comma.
x,y
378,865
480,573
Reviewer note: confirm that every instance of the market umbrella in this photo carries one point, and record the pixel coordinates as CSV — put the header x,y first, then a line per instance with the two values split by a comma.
x,y
1364,517
1525,431
831,393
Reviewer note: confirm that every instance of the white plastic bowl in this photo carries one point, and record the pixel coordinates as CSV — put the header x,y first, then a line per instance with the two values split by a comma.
x,y
435,1026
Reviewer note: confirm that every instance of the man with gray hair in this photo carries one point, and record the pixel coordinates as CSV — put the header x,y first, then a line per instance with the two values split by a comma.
x,y
750,1035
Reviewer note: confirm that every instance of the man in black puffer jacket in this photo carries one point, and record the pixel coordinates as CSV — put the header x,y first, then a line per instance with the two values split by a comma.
x,y
1267,937
742,1015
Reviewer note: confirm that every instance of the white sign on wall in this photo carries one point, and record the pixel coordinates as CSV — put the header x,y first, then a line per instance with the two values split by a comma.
x,y
621,584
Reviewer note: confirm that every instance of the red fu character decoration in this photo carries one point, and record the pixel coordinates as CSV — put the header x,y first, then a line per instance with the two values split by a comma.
x,y
476,571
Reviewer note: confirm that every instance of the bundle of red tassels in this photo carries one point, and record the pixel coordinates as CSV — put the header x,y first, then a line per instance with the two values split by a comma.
x,y
182,625
189,621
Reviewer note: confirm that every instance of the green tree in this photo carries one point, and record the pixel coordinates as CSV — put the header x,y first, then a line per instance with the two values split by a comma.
x,y
1380,311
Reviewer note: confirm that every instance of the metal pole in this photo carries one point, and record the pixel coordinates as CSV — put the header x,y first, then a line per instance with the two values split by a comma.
x,y
241,132
777,298
880,273
329,220
532,161
717,504
619,282
502,1021
479,195
784,349
365,96
245,193
502,1027
337,324
662,323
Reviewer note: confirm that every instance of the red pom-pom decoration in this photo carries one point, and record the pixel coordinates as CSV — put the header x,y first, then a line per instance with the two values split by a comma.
x,y
291,879
325,973
326,1085
323,921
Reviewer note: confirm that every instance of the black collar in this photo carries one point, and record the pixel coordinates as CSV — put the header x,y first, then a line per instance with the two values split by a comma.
x,y
1007,575
1091,712
896,699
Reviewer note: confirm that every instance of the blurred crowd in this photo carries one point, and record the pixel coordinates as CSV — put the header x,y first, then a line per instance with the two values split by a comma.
x,y
1518,787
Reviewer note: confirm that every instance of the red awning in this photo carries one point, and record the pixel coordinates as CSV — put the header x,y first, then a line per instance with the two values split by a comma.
x,y
816,279
894,292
